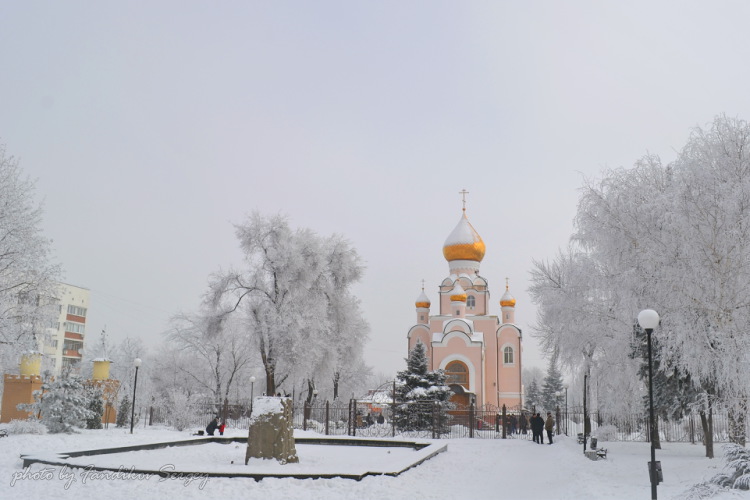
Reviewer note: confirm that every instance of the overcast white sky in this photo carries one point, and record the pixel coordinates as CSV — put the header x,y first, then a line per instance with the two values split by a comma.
x,y
151,127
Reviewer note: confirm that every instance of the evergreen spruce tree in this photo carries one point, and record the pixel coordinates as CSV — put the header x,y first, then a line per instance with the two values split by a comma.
x,y
62,404
421,395
533,396
123,412
552,387
96,406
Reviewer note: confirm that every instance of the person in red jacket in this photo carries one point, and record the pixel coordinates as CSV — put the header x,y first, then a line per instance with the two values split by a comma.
x,y
221,428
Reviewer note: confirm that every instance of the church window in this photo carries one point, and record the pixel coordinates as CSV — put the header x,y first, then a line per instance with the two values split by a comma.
x,y
470,301
421,317
508,355
507,315
456,373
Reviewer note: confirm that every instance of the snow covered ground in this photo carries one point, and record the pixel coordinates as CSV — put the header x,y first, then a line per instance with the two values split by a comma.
x,y
471,468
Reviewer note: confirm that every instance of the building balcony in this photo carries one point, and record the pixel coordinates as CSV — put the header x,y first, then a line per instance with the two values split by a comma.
x,y
71,353
74,336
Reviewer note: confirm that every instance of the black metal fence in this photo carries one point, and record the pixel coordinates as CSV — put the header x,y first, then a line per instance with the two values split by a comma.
x,y
430,420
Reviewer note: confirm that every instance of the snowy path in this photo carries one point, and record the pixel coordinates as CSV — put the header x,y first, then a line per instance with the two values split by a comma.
x,y
476,469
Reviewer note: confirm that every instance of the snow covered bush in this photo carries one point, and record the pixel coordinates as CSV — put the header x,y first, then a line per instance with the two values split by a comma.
x,y
736,475
607,433
30,426
62,404
180,409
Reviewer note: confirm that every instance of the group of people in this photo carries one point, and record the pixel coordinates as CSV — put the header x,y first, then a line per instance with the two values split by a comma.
x,y
539,425
214,425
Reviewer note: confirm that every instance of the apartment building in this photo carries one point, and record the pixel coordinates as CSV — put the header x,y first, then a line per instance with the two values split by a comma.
x,y
67,335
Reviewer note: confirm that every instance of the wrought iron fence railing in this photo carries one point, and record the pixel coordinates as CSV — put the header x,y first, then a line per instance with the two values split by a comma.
x,y
440,421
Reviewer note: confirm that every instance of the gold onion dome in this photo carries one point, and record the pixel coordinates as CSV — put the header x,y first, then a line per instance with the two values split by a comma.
x,y
458,294
422,300
507,300
464,243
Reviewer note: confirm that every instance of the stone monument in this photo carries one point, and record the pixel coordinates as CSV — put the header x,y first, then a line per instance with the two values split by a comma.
x,y
271,434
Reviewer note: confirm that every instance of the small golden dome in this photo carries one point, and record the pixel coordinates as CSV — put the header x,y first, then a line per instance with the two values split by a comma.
x,y
458,294
464,243
507,300
423,300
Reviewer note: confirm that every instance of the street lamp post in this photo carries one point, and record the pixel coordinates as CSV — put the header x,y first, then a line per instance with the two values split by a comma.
x,y
648,319
252,389
566,410
137,364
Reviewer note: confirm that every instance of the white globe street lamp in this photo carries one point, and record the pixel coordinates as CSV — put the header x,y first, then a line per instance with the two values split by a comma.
x,y
648,319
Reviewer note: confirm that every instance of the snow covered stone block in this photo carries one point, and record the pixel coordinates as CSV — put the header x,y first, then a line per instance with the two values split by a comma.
x,y
271,434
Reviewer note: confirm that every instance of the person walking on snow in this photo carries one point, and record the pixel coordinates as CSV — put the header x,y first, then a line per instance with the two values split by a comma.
x,y
549,426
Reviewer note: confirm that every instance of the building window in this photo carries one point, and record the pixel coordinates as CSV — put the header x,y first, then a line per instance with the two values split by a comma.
x,y
77,311
421,317
75,327
457,373
471,301
508,355
507,315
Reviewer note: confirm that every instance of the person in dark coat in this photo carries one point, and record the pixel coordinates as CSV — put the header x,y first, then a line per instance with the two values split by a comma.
x,y
523,423
211,428
549,426
537,428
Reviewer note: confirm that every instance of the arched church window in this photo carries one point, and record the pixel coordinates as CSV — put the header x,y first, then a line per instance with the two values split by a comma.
x,y
457,373
508,355
470,301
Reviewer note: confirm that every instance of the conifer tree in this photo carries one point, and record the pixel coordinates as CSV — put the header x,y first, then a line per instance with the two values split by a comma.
x,y
421,395
533,395
123,412
62,404
552,387
96,406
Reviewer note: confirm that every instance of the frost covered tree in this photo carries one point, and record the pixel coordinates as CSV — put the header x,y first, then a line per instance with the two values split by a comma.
x,y
533,395
294,295
552,387
675,238
123,412
62,404
95,406
214,349
27,275
421,395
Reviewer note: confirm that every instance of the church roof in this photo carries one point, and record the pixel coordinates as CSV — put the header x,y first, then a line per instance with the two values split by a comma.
x,y
458,294
464,243
423,300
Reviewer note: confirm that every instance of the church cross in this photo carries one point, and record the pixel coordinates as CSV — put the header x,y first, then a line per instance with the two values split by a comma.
x,y
423,285
463,194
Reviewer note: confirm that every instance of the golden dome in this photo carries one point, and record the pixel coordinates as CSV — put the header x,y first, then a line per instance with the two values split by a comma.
x,y
507,300
422,300
458,294
464,243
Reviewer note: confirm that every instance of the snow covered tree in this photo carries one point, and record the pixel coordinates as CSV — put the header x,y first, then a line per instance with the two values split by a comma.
x,y
95,406
674,238
295,298
27,275
552,388
534,396
123,412
216,350
421,395
62,404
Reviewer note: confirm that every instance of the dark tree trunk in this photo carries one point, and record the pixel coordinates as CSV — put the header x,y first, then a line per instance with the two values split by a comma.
x,y
707,423
655,435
